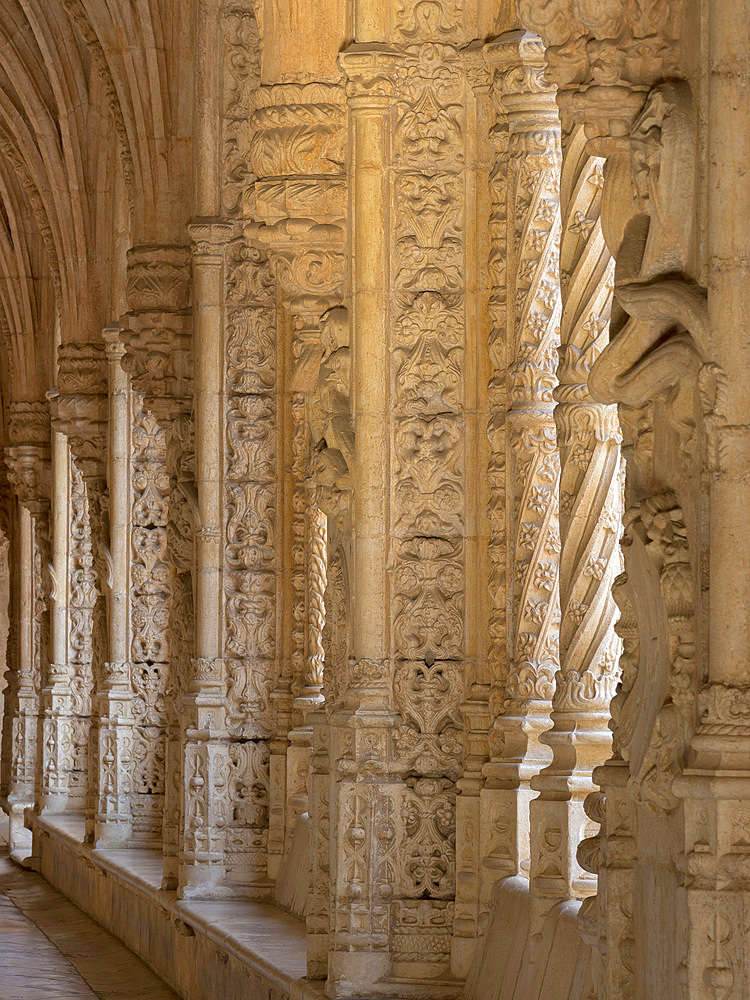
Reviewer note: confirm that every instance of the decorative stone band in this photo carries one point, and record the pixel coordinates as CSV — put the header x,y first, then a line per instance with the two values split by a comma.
x,y
724,710
298,129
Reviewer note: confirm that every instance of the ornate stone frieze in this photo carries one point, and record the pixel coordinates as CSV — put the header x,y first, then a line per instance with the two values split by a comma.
x,y
297,152
604,58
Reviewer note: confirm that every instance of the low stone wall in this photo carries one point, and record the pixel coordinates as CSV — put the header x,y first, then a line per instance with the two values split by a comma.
x,y
232,949
511,964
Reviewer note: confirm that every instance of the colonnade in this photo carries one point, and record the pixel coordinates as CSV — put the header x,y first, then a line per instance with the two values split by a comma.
x,y
394,517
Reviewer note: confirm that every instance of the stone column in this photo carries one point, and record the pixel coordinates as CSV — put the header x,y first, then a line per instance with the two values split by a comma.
x,y
114,817
26,693
206,762
470,906
80,411
361,750
588,436
524,467
157,334
57,738
298,159
28,471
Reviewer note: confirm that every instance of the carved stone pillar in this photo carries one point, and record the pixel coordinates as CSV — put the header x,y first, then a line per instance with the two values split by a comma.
x,y
82,597
396,742
308,261
157,333
588,437
25,693
332,436
150,639
28,460
524,466
297,156
202,869
113,703
80,411
660,840
57,737
362,796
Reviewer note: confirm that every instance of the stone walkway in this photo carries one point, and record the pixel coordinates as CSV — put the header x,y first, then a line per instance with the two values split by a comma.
x,y
49,950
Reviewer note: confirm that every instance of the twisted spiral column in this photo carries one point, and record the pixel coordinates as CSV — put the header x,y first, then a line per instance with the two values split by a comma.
x,y
588,436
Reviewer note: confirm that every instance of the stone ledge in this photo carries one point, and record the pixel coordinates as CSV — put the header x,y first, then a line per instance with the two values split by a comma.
x,y
233,949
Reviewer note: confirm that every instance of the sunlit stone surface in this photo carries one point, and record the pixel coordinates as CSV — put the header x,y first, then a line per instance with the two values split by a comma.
x,y
375,491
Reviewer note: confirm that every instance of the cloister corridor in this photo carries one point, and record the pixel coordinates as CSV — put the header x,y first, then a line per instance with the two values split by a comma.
x,y
375,499
49,950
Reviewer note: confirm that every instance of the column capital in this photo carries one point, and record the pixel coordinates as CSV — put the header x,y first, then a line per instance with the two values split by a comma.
x,y
519,86
209,238
604,60
371,75
28,456
112,337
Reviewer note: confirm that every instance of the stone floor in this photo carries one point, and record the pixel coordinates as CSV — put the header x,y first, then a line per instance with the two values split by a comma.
x,y
50,950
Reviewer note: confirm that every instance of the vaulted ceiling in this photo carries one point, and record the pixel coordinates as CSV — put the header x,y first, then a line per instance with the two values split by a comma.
x,y
95,157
